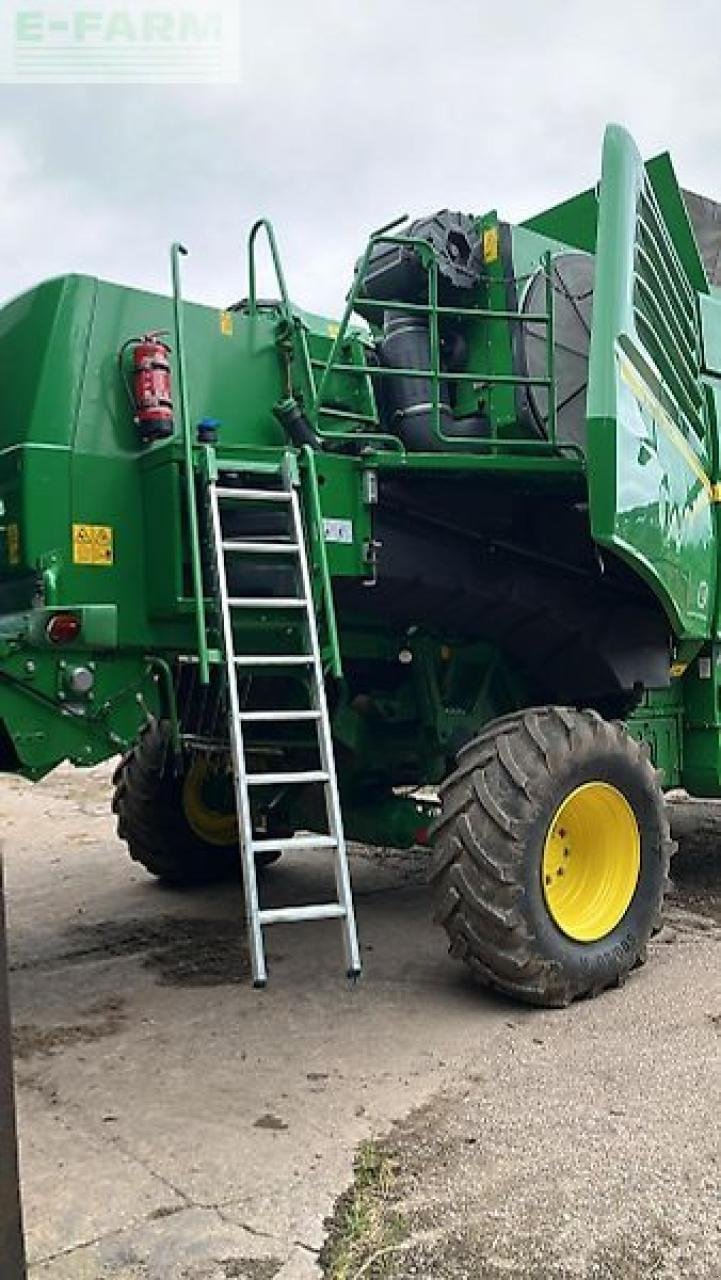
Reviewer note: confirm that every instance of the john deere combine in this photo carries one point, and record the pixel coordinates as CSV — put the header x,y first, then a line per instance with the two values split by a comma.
x,y
303,574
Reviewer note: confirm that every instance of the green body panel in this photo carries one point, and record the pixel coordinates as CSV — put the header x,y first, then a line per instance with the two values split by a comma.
x,y
658,721
651,454
404,696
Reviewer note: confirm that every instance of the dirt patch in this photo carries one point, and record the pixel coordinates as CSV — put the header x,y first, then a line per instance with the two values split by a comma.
x,y
269,1121
250,1268
407,866
181,952
95,1022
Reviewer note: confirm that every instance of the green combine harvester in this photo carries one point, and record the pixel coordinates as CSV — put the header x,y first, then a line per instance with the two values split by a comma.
x,y
442,572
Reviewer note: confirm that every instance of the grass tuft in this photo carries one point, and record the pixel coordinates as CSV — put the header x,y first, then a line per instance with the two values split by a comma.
x,y
363,1235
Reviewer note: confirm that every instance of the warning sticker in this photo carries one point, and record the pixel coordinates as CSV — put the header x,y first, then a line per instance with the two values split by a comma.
x,y
226,324
92,544
490,244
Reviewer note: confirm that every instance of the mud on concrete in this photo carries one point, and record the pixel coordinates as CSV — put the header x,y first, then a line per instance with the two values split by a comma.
x,y
181,952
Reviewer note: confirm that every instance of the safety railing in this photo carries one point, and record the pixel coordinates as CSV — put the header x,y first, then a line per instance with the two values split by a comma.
x,y
264,224
435,374
177,251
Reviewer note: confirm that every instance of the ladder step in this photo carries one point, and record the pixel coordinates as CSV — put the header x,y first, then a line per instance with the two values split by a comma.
x,y
267,602
262,548
280,779
254,495
239,465
279,844
191,659
274,660
258,717
294,915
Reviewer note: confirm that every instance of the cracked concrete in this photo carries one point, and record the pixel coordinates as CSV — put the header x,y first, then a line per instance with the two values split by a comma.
x,y
175,1124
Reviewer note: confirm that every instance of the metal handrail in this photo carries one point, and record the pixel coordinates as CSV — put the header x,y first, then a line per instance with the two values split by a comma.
x,y
176,252
264,224
433,309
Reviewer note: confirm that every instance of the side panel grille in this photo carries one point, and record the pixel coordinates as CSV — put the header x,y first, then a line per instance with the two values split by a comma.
x,y
666,318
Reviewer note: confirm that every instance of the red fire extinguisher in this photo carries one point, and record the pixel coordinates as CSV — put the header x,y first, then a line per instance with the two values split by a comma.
x,y
151,392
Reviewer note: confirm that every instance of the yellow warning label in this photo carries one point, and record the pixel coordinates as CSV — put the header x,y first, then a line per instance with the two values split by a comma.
x,y
490,244
333,329
677,669
92,544
226,324
12,536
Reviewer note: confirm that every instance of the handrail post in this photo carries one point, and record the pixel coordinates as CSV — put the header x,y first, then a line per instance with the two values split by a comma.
x,y
435,348
550,348
178,250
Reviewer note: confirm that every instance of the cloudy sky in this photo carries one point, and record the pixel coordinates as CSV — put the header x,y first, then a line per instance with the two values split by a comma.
x,y
348,114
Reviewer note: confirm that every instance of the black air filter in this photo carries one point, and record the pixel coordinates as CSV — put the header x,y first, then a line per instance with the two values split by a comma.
x,y
395,272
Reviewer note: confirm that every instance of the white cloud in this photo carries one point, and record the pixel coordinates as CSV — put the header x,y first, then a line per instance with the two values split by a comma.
x,y
349,114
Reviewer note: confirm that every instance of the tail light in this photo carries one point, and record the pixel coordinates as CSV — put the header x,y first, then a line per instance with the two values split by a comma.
x,y
63,628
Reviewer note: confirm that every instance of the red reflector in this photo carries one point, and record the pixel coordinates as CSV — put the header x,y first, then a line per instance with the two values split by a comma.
x,y
62,628
421,835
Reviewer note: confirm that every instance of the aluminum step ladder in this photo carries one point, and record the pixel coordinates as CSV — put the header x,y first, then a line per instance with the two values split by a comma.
x,y
294,550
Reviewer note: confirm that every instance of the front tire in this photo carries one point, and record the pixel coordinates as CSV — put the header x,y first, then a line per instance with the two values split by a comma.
x,y
551,855
161,816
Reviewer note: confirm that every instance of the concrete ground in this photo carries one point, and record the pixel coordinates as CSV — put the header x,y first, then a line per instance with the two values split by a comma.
x,y
175,1124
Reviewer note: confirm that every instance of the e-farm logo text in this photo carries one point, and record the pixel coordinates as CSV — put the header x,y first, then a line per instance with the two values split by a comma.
x,y
104,42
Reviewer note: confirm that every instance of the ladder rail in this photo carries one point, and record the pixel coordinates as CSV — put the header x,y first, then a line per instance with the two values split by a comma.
x,y
240,783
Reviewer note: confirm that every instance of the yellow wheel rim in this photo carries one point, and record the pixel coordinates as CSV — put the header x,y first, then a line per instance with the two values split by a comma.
x,y
591,861
214,826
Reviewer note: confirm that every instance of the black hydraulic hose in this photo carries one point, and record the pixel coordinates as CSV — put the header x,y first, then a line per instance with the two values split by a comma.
x,y
296,425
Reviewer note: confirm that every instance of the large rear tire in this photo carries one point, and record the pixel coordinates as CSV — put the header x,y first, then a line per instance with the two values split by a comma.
x,y
551,855
162,817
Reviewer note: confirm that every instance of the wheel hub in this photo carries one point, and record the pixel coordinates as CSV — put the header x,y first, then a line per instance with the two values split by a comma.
x,y
591,861
206,797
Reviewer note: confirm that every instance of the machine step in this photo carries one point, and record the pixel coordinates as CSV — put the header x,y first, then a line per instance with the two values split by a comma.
x,y
257,468
283,779
295,915
254,495
258,717
282,843
267,602
262,548
274,659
